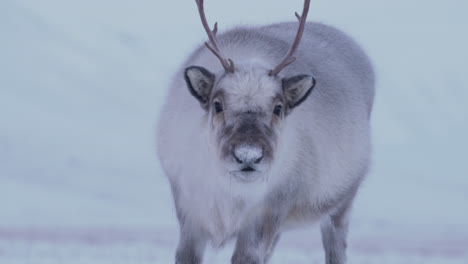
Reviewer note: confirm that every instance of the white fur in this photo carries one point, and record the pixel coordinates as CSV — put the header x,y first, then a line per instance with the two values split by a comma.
x,y
324,144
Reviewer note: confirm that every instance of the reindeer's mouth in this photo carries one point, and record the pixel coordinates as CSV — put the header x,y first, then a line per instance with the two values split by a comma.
x,y
246,175
248,169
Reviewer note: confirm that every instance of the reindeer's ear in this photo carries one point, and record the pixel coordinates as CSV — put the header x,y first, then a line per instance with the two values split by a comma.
x,y
200,83
296,89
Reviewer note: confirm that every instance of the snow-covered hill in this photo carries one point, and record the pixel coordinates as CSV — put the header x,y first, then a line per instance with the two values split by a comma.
x,y
81,83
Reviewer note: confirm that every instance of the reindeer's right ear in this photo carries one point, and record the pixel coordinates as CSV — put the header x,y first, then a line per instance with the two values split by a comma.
x,y
200,83
296,89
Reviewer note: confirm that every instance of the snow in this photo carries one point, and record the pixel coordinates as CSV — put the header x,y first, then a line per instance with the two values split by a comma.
x,y
247,152
81,84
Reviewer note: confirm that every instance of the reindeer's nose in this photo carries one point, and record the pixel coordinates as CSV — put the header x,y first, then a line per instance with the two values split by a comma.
x,y
248,154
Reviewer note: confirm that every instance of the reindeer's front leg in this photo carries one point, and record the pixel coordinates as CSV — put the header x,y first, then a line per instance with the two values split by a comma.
x,y
192,239
191,245
334,229
255,242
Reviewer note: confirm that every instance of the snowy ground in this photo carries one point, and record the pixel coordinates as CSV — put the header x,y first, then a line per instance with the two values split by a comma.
x,y
81,83
150,246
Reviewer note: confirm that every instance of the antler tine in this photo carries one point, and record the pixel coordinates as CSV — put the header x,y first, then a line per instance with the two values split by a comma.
x,y
215,29
288,59
213,45
298,16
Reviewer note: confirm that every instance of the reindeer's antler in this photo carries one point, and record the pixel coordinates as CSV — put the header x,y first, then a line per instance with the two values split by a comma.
x,y
289,57
228,64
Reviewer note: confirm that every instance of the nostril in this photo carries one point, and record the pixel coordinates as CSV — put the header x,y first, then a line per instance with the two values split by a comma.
x,y
237,159
258,160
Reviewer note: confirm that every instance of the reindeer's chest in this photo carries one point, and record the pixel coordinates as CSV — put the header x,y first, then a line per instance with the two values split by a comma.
x,y
225,219
218,207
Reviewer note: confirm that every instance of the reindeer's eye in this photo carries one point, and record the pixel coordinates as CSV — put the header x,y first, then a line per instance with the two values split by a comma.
x,y
277,110
218,107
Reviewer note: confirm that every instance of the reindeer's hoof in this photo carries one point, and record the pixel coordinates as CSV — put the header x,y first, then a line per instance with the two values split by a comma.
x,y
245,259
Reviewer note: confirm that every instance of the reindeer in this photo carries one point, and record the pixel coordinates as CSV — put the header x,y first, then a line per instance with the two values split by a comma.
x,y
270,133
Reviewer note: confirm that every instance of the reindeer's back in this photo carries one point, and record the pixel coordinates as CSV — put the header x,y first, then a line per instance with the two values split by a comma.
x,y
333,124
333,57
338,63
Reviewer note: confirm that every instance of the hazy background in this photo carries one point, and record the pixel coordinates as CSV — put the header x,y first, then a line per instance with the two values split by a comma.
x,y
82,82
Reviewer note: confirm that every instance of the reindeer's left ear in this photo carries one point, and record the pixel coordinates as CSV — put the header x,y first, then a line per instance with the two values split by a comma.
x,y
296,89
200,83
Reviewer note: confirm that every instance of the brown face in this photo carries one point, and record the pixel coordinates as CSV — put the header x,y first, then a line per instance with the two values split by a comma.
x,y
246,111
246,136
